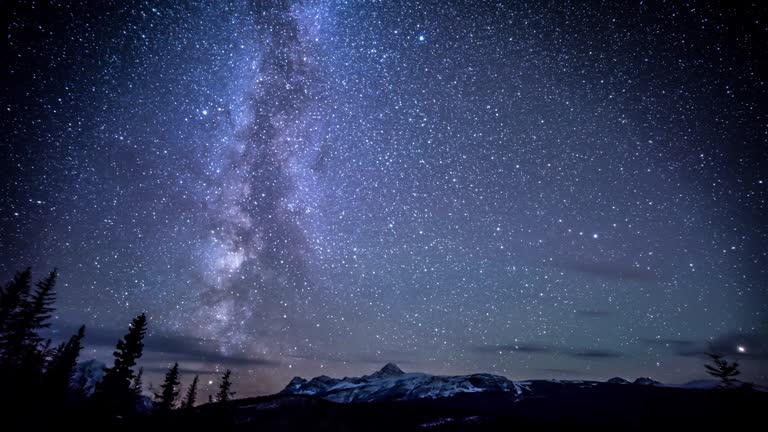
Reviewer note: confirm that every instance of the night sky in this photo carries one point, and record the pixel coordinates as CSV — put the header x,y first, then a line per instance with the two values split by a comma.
x,y
534,189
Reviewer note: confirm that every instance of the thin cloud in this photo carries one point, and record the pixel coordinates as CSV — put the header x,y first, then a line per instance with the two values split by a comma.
x,y
674,343
182,370
594,354
175,347
594,313
521,347
609,270
558,371
743,345
536,348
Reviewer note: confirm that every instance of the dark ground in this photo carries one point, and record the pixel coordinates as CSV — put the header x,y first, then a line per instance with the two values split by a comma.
x,y
551,407
605,407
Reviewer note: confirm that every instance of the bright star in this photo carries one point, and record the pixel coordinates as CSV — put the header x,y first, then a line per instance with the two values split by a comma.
x,y
741,349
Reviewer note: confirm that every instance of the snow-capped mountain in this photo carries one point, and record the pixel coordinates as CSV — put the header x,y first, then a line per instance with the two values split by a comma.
x,y
86,375
647,381
391,399
617,380
391,383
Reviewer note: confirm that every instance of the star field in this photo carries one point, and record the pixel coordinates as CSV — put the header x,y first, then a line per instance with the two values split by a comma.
x,y
572,190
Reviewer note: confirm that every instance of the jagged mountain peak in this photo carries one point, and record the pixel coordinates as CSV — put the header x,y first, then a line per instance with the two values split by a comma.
x,y
646,381
389,369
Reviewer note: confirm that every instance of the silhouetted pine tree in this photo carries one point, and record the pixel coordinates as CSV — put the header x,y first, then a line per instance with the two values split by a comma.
x,y
169,390
13,301
62,365
27,346
722,369
41,310
137,385
11,297
115,391
225,388
22,350
191,397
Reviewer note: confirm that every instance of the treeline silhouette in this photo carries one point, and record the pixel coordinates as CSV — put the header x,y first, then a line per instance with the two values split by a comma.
x,y
37,377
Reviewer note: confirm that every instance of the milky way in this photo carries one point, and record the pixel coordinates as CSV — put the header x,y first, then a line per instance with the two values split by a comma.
x,y
320,187
264,200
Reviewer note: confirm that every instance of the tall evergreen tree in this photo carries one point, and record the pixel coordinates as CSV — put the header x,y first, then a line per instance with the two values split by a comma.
x,y
62,364
138,385
169,390
115,388
35,349
12,295
41,310
191,397
225,388
722,369
24,351
13,300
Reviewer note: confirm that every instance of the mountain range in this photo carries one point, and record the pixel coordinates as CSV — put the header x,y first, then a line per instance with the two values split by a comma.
x,y
391,399
392,384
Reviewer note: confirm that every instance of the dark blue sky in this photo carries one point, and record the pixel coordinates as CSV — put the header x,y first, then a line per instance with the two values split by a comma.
x,y
564,190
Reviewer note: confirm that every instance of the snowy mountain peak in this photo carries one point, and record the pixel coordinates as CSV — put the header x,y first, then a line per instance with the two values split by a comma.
x,y
646,381
296,382
86,375
391,383
617,380
389,369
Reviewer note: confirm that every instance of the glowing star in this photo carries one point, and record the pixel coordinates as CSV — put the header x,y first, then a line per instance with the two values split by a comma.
x,y
741,349
205,112
594,236
421,38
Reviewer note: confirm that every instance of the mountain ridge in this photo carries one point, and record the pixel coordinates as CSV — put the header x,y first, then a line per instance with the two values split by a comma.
x,y
391,383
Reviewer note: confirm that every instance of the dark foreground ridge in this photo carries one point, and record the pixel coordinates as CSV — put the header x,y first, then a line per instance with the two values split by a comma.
x,y
557,406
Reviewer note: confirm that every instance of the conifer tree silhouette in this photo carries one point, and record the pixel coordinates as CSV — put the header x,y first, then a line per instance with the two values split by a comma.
x,y
62,365
191,397
137,385
722,369
23,315
23,352
115,390
225,388
169,390
12,297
